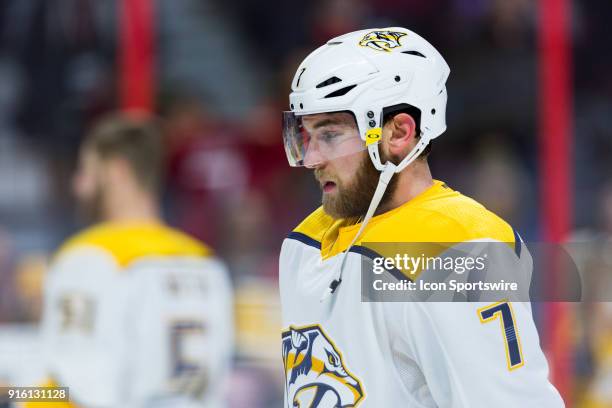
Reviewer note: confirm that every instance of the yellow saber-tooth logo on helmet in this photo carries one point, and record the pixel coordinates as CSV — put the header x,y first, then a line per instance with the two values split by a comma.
x,y
382,40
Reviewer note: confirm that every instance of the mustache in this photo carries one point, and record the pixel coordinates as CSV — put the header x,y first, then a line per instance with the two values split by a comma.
x,y
321,175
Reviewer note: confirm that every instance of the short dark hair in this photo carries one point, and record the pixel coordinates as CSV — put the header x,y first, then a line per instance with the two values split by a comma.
x,y
390,111
137,139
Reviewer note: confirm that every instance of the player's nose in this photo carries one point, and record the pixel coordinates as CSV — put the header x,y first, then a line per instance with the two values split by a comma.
x,y
313,158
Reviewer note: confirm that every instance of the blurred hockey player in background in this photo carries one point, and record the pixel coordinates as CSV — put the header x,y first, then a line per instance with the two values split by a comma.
x,y
136,314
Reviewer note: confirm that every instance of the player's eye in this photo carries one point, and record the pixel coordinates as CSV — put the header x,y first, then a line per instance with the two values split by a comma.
x,y
329,136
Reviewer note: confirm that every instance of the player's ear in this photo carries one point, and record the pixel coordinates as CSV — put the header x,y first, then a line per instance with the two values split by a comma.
x,y
402,129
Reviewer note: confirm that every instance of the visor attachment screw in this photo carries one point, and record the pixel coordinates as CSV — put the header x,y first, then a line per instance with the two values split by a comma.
x,y
370,114
372,123
397,78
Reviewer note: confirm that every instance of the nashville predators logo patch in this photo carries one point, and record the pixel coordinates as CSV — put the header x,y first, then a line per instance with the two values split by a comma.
x,y
382,40
315,373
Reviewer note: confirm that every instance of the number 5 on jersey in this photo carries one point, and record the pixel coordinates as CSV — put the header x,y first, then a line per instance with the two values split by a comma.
x,y
503,311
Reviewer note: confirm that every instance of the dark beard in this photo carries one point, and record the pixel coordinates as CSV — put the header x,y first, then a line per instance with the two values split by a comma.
x,y
352,201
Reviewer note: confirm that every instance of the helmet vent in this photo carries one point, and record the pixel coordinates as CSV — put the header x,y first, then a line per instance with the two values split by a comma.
x,y
416,53
341,91
334,43
329,81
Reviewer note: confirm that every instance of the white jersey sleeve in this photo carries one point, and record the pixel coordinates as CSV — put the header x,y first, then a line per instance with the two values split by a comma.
x,y
470,362
481,354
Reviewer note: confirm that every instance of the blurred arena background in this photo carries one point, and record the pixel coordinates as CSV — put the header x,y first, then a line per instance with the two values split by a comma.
x,y
218,74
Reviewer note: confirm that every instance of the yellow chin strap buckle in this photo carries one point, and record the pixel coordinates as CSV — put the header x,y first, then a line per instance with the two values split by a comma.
x,y
373,136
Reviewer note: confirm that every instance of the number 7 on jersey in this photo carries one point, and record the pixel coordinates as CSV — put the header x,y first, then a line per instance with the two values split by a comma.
x,y
503,311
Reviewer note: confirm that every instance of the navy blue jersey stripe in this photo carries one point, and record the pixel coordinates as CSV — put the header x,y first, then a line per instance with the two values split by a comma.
x,y
367,252
305,239
517,243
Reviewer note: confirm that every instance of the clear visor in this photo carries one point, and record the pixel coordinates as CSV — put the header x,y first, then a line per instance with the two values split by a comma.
x,y
314,139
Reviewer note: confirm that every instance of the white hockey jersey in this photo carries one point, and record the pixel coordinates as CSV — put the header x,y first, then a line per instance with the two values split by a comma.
x,y
345,352
138,315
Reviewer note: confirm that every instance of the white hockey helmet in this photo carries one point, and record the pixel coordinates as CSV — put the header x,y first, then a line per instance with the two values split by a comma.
x,y
369,73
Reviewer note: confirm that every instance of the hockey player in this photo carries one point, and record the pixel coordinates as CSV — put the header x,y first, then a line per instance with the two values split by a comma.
x,y
136,313
364,109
